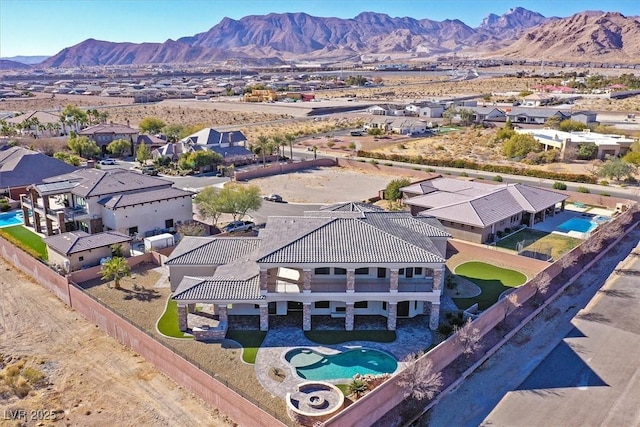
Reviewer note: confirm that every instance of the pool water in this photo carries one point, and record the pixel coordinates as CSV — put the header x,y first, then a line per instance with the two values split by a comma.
x,y
582,225
312,365
11,218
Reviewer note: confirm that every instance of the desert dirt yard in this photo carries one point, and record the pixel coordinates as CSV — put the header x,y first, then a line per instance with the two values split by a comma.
x,y
89,378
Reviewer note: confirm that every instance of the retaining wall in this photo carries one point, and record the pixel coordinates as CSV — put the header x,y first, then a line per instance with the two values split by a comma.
x,y
281,168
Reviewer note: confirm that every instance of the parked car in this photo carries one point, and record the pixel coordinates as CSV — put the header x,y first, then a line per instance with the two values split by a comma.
x,y
107,162
274,198
149,170
236,226
356,133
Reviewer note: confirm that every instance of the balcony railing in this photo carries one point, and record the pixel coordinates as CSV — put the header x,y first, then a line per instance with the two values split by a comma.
x,y
371,285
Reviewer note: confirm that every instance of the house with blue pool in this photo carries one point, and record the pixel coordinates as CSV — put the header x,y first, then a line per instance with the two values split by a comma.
x,y
345,261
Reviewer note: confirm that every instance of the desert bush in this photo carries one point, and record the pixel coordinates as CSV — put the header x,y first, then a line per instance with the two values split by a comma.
x,y
582,190
559,186
497,178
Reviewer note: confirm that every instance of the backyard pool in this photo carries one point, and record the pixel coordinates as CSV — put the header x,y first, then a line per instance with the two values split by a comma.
x,y
11,218
582,225
312,365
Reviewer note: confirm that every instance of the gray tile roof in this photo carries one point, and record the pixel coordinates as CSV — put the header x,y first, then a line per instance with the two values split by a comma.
x,y
20,167
98,182
130,199
211,251
352,207
534,199
79,241
213,289
108,128
210,136
351,240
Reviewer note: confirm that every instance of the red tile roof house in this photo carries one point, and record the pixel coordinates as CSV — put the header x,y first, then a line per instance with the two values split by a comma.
x,y
476,211
103,133
349,260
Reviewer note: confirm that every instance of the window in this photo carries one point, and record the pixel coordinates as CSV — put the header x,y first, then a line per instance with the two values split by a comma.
x,y
417,270
256,306
401,272
384,305
339,271
408,272
322,270
321,304
80,258
341,309
364,270
361,304
168,223
133,231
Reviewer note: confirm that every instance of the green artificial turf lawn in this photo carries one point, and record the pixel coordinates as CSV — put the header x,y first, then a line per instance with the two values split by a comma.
x,y
338,337
28,238
491,279
168,323
250,341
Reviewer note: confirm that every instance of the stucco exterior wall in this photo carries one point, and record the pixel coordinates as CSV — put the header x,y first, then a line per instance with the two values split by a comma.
x,y
177,272
148,216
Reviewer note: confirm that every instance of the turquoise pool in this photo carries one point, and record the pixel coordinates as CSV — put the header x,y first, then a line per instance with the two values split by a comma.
x,y
582,224
312,365
11,218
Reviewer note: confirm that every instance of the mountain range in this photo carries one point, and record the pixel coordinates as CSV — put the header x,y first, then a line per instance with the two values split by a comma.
x,y
275,38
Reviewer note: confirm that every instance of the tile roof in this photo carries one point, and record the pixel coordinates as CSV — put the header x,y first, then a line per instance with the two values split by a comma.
x,y
99,182
352,207
129,199
108,128
211,288
20,167
534,199
42,116
210,136
351,240
211,251
79,241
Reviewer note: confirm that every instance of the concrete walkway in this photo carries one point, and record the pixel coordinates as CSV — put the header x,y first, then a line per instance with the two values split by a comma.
x,y
413,335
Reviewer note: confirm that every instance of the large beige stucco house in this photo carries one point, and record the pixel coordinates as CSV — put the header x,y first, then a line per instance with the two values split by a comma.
x,y
94,200
346,261
477,211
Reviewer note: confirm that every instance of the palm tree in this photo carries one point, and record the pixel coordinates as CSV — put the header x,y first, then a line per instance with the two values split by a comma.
x,y
290,138
278,142
357,387
263,142
116,268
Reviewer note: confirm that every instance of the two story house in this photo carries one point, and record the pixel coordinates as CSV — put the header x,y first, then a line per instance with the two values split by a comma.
x,y
350,261
94,200
104,133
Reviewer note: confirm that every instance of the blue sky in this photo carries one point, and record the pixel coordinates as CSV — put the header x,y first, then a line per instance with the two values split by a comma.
x,y
44,27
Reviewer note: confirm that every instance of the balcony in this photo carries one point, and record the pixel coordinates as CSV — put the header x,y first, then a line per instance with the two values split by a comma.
x,y
339,285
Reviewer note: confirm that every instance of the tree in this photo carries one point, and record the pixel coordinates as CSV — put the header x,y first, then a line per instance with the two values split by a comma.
x,y
357,387
143,153
616,169
173,132
466,116
151,125
119,147
449,114
553,122
115,269
542,284
519,145
504,134
469,338
417,380
201,159
209,204
73,115
290,138
235,199
191,228
632,157
83,146
572,125
246,198
588,151
512,303
392,192
263,142
508,125
67,158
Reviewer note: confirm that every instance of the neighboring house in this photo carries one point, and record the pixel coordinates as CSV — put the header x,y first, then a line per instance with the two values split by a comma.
x,y
232,145
586,117
429,110
93,200
491,114
346,261
383,123
387,110
170,150
77,250
408,126
537,99
37,123
151,141
476,211
531,115
608,144
20,168
103,133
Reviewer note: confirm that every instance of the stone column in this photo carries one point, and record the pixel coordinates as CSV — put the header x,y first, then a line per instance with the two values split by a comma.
x,y
392,316
34,201
434,317
36,222
306,280
182,317
393,281
351,281
223,313
61,222
349,319
263,281
264,317
191,308
49,225
306,316
532,219
25,215
438,278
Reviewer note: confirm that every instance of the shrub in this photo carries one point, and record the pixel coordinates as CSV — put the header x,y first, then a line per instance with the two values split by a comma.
x,y
559,186
464,174
583,190
605,183
605,194
498,178
445,329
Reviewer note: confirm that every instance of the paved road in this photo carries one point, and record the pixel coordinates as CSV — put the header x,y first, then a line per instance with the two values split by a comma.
x,y
549,364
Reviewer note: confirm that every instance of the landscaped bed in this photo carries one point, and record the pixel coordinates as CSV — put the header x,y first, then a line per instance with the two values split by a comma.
x,y
491,279
542,241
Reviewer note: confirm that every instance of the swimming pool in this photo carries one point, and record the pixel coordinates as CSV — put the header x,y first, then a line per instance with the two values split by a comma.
x,y
581,224
11,218
312,365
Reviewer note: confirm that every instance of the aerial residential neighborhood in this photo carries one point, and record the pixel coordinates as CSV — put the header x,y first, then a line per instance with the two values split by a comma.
x,y
323,216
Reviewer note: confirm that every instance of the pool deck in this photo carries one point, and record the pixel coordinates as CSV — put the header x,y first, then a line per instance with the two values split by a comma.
x,y
551,223
412,336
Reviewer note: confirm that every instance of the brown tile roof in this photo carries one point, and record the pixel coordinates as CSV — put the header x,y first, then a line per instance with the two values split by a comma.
x,y
108,128
79,241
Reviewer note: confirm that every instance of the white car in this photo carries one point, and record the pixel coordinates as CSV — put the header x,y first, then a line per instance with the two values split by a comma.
x,y
107,162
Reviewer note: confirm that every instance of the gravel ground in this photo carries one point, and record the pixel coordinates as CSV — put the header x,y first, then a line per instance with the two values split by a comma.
x,y
513,363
